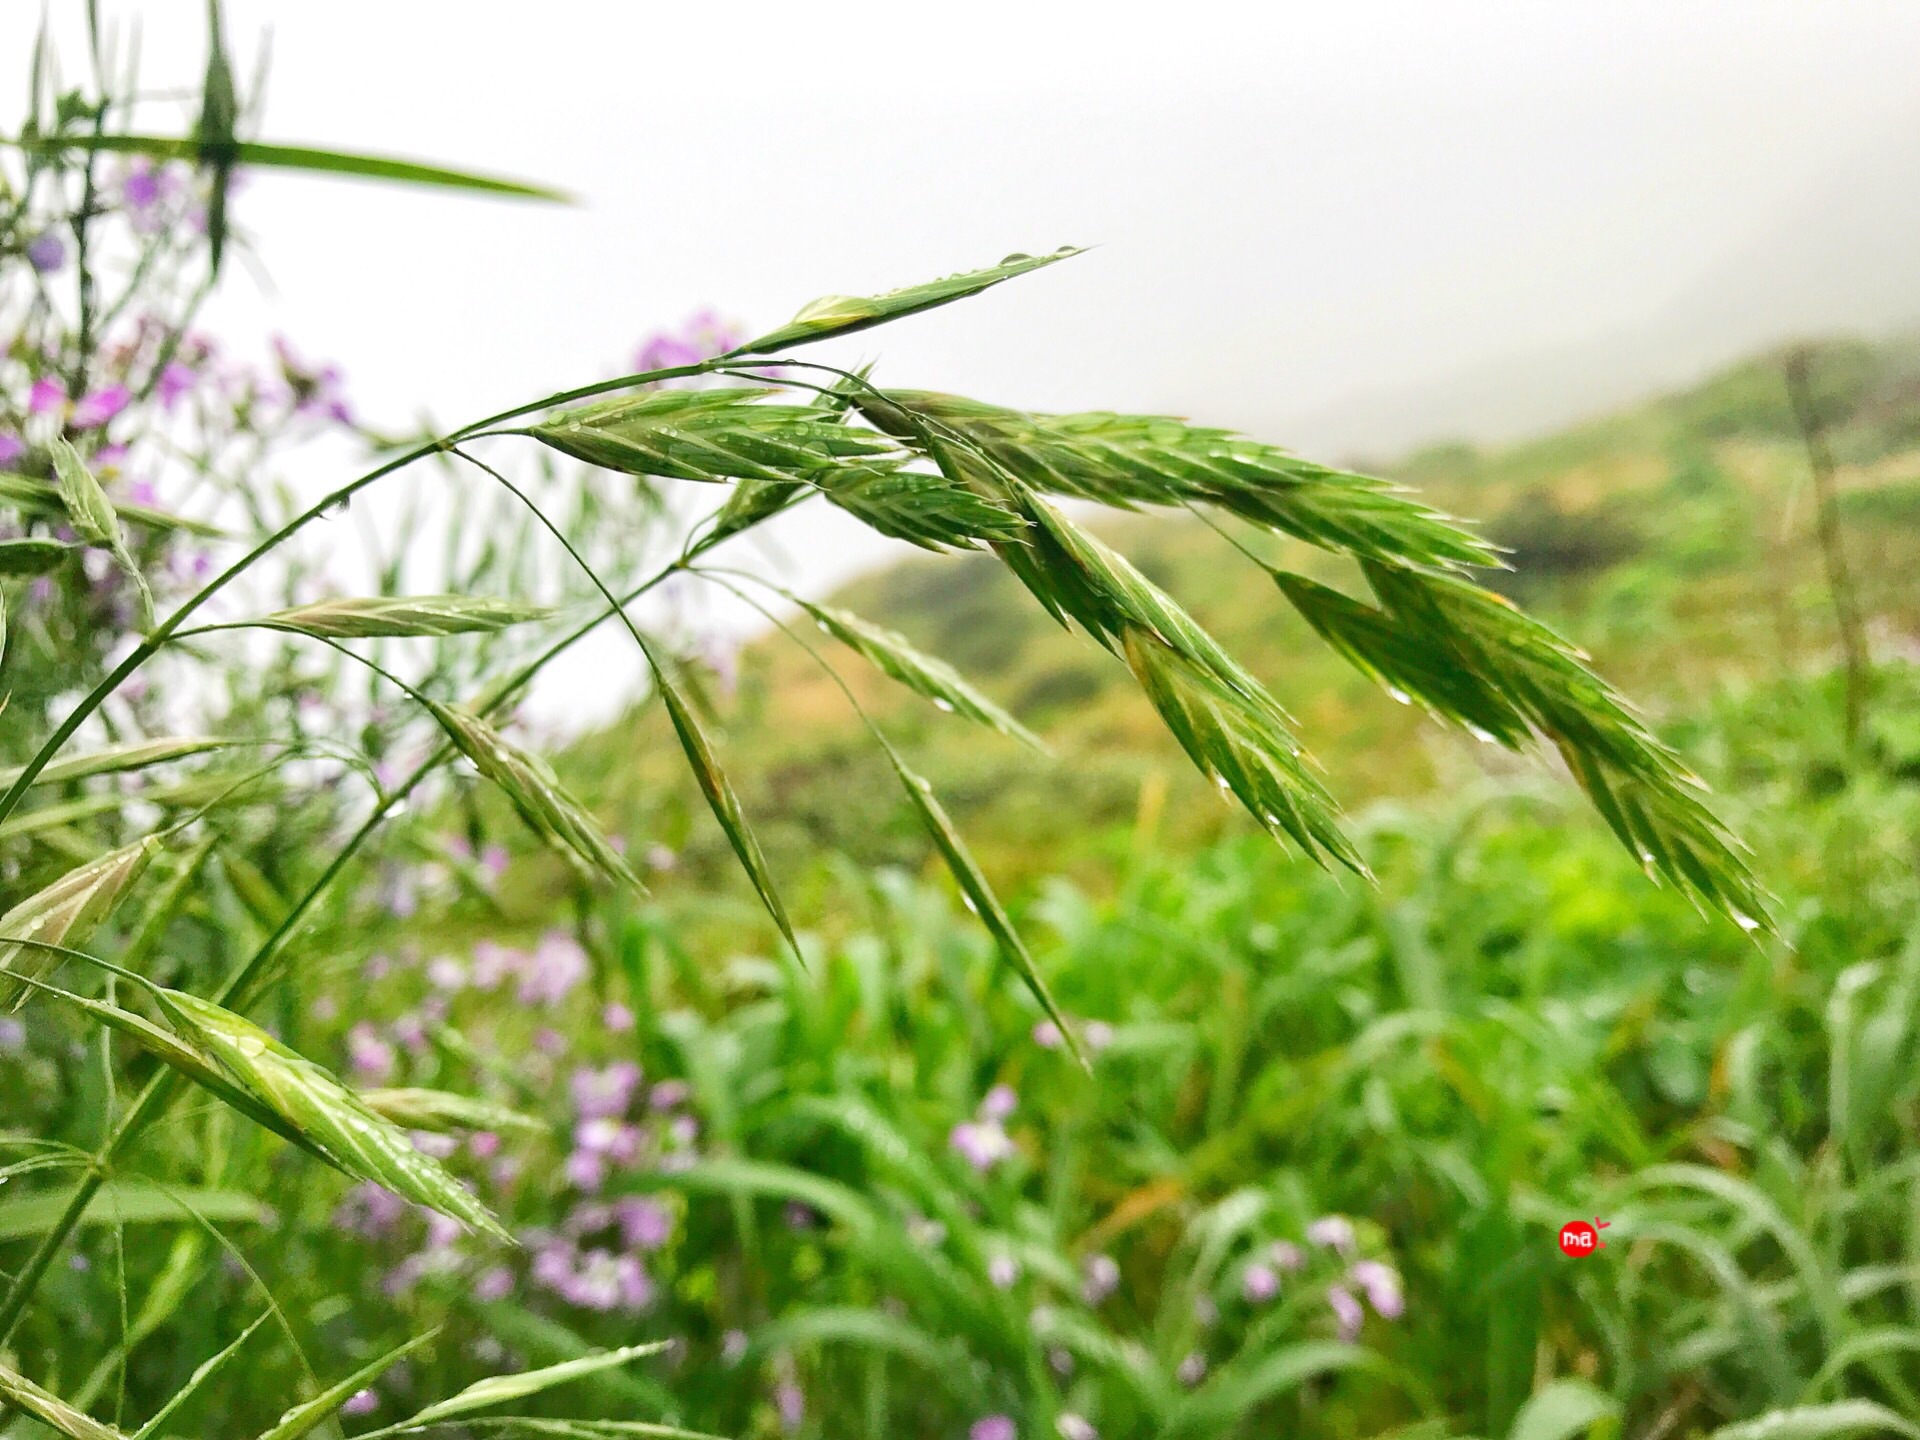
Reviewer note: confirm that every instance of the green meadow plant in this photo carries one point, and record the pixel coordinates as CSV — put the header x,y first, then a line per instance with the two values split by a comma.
x,y
110,238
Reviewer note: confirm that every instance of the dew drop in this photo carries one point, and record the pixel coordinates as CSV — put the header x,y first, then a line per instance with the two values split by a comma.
x,y
1223,783
1745,922
942,703
1397,693
1483,736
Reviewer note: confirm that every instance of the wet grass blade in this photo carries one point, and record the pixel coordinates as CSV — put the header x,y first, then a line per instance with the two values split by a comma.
x,y
395,616
499,1389
25,1396
66,912
359,1141
442,1110
845,314
536,792
723,801
921,673
135,755
306,1417
94,517
31,556
981,898
306,157
203,1375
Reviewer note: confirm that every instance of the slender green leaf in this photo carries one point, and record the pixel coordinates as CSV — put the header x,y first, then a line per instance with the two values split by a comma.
x,y
21,1393
203,1375
131,1203
37,497
1562,1409
499,1389
722,800
441,1110
844,314
31,556
921,673
980,897
536,792
359,1141
134,755
1820,1422
382,616
93,515
66,912
306,1417
303,157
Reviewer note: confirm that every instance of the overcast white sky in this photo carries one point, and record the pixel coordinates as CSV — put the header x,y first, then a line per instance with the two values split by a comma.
x,y
1309,214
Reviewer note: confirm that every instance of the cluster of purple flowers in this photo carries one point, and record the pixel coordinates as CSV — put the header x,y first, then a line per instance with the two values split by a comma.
x,y
704,335
1260,1279
983,1141
595,1261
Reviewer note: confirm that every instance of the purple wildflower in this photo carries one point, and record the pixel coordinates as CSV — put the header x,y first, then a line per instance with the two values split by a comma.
x,y
792,1405
645,1224
733,1346
556,966
12,447
1382,1286
1287,1256
982,1143
175,383
47,252
586,1170
1047,1035
1075,1427
47,396
598,1094
1333,1232
13,1034
661,857
494,1284
993,1427
1193,1369
100,406
669,1094
494,860
617,1017
483,1144
999,1103
1098,1034
1003,1271
1259,1284
361,1402
446,973
1100,1277
371,1057
1347,1313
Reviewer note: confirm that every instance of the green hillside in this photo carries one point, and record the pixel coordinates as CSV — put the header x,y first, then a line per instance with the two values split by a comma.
x,y
1673,540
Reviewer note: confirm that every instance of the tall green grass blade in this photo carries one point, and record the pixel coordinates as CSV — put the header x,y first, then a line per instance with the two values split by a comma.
x,y
536,792
120,1202
980,897
304,157
66,913
361,1142
722,800
31,556
393,616
23,1395
499,1389
94,517
115,759
442,1110
38,497
844,314
202,1376
1820,1422
1562,1409
308,1416
921,673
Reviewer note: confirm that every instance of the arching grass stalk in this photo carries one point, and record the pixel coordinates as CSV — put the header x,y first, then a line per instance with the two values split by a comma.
x,y
245,984
156,639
